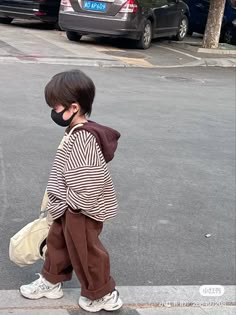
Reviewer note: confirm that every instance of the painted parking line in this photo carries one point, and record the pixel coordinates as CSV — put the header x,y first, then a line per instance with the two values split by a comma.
x,y
178,51
138,62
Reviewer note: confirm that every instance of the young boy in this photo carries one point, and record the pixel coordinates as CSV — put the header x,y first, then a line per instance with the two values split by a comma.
x,y
81,197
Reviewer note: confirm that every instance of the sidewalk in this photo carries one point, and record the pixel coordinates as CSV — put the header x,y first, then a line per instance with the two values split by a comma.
x,y
156,300
52,47
223,56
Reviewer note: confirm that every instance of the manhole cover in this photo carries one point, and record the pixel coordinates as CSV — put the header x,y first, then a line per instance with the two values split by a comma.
x,y
125,54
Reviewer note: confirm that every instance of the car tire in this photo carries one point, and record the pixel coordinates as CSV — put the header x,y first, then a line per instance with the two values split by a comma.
x,y
73,36
146,38
183,28
228,35
5,20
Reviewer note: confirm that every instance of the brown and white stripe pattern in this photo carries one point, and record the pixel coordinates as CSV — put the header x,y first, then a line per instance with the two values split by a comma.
x,y
80,179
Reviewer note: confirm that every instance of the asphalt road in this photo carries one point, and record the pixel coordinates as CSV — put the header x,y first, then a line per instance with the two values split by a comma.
x,y
173,171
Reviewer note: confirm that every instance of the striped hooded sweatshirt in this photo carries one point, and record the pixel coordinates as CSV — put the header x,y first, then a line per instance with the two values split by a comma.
x,y
79,179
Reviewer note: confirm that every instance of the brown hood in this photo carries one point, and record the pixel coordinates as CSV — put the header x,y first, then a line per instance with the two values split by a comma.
x,y
107,138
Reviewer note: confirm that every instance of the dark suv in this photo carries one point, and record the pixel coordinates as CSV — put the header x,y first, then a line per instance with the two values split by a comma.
x,y
199,12
140,20
44,10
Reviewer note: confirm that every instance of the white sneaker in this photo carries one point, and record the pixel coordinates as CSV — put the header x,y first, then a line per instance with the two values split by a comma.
x,y
41,288
109,302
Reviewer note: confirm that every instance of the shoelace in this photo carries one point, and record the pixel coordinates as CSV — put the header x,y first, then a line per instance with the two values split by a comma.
x,y
39,283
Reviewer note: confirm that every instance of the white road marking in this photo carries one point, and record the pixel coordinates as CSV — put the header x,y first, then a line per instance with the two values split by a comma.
x,y
76,50
179,52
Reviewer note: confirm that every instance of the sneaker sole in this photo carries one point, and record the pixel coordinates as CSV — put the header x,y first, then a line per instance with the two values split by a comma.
x,y
111,307
48,295
115,307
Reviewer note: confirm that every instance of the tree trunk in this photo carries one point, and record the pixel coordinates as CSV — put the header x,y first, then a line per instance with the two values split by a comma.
x,y
213,26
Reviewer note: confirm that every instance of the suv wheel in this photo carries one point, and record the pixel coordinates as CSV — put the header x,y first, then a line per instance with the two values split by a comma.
x,y
146,38
5,20
183,28
73,36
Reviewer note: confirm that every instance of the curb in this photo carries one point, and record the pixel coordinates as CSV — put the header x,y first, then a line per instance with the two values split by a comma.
x,y
219,62
132,296
195,47
105,63
62,61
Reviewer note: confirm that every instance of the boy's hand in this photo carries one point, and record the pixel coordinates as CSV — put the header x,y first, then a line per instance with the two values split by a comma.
x,y
44,207
49,219
44,201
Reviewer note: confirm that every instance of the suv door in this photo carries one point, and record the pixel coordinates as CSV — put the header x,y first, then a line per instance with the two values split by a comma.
x,y
201,9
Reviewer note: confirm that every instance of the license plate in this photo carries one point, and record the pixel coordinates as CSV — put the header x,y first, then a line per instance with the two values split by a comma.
x,y
95,6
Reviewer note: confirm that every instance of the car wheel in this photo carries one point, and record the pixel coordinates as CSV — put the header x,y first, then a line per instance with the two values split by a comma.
x,y
228,35
5,20
183,28
146,38
73,36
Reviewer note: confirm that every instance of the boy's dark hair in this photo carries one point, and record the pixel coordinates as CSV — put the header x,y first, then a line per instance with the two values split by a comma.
x,y
69,87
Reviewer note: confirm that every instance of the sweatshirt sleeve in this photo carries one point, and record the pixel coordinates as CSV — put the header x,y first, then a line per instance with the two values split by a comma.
x,y
56,206
84,173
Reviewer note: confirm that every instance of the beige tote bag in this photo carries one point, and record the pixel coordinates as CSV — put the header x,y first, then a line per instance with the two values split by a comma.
x,y
29,244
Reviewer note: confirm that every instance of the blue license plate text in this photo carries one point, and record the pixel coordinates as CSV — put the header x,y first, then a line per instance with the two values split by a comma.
x,y
95,6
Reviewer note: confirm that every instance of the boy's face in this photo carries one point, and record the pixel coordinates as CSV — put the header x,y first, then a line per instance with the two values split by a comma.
x,y
63,116
68,113
67,116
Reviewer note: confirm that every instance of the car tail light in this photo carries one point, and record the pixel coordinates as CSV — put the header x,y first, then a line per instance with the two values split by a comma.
x,y
39,13
66,5
130,6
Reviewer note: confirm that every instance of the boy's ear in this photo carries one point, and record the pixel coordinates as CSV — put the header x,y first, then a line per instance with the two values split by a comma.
x,y
75,107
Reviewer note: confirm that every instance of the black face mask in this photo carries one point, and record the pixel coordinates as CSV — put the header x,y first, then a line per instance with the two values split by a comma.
x,y
58,119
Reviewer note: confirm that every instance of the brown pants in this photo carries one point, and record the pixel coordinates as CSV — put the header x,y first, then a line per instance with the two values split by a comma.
x,y
73,244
